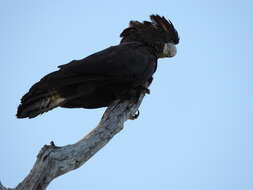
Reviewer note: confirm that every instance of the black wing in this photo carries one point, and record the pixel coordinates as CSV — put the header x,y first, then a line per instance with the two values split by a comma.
x,y
130,61
91,82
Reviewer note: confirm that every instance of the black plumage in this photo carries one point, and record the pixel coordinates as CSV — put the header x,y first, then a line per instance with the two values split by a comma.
x,y
99,79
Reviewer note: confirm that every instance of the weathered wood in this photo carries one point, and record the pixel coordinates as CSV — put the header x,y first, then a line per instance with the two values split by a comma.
x,y
2,187
53,161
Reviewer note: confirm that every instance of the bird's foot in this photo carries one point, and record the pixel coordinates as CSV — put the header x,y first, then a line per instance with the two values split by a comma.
x,y
134,116
143,89
146,90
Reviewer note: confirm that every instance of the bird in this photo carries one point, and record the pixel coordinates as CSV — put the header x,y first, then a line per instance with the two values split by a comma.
x,y
117,72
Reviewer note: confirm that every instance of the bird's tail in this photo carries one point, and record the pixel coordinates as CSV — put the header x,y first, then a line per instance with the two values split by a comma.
x,y
38,102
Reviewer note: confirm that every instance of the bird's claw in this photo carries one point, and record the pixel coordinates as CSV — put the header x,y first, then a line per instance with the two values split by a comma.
x,y
144,89
147,91
134,116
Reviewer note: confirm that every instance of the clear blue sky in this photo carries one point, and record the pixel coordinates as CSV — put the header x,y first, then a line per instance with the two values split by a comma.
x,y
195,129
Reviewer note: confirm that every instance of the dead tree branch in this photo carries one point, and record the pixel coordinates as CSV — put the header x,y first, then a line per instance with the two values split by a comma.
x,y
53,161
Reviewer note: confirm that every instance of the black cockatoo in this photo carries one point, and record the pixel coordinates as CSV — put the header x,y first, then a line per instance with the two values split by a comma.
x,y
99,79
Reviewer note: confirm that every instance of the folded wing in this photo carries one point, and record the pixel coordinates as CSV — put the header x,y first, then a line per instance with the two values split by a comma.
x,y
92,82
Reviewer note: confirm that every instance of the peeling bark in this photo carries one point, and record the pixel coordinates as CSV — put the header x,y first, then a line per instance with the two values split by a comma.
x,y
53,161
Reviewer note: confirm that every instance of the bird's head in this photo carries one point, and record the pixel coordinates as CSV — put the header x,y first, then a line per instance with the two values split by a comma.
x,y
159,34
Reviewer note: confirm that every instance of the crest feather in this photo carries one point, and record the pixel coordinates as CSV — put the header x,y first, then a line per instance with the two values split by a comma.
x,y
166,25
158,24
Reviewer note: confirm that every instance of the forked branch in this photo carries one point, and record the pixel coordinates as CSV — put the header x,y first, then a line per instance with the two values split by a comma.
x,y
53,161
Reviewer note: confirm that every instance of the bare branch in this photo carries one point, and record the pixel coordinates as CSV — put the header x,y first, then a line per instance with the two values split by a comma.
x,y
53,161
2,187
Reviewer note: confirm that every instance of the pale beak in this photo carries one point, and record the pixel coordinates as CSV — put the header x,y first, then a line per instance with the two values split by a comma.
x,y
169,50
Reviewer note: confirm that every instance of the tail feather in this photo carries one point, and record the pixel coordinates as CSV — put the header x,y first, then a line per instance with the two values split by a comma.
x,y
33,104
53,90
